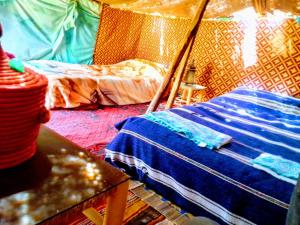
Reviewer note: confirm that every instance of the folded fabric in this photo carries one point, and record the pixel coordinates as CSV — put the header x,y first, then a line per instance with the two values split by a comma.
x,y
277,166
200,134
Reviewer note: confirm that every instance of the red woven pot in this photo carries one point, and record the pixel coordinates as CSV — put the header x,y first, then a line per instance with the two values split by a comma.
x,y
22,99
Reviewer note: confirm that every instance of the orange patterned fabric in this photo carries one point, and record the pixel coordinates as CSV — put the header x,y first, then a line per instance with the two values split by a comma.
x,y
125,35
263,55
118,36
160,38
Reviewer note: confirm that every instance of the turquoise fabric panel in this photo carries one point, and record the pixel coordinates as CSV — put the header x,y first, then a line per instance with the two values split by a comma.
x,y
277,166
62,30
196,132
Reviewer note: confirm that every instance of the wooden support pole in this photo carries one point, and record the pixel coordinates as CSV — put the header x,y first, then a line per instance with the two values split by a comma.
x,y
186,41
180,74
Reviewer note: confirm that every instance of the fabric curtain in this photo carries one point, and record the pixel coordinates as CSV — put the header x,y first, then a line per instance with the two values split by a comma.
x,y
62,30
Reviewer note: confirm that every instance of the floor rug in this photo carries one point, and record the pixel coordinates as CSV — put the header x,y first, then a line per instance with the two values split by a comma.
x,y
92,129
144,206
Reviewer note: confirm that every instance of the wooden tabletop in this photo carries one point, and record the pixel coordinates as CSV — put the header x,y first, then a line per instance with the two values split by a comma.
x,y
58,177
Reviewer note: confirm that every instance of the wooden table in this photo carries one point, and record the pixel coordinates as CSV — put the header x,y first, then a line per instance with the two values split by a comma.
x,y
59,180
187,92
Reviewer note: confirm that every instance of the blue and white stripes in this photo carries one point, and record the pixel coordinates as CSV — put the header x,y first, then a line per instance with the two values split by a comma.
x,y
223,184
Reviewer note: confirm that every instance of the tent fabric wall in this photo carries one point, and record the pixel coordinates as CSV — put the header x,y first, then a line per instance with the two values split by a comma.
x,y
126,35
215,8
263,54
118,36
62,30
160,38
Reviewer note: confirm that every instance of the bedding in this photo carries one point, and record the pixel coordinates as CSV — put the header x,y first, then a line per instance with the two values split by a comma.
x,y
73,85
223,183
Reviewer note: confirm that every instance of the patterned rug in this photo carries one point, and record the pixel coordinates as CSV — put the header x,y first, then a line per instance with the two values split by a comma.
x,y
144,206
92,129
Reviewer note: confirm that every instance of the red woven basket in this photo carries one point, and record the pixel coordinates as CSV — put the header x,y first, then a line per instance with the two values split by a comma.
x,y
22,99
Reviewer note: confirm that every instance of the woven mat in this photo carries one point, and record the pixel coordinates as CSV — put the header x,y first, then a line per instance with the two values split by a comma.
x,y
144,206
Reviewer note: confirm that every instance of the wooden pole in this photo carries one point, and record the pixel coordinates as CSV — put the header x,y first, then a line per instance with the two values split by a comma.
x,y
180,74
190,34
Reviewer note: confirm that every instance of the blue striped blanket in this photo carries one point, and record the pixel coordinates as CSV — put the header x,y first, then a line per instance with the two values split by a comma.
x,y
223,185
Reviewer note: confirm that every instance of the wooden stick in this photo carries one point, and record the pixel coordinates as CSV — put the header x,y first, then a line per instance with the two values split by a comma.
x,y
180,74
116,204
190,34
93,215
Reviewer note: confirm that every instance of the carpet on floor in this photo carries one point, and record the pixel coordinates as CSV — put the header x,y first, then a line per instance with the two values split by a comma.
x,y
144,207
92,129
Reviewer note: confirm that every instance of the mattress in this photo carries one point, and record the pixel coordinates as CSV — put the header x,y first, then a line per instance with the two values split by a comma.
x,y
221,184
74,85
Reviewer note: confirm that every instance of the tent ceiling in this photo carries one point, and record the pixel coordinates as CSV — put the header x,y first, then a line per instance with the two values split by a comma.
x,y
215,8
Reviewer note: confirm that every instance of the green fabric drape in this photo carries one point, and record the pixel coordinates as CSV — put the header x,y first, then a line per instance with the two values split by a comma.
x,y
63,30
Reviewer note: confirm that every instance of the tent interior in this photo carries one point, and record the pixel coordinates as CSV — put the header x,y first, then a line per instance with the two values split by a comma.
x,y
213,70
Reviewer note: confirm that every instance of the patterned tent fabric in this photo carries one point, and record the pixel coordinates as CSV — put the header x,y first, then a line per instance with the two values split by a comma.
x,y
232,54
125,35
263,54
216,8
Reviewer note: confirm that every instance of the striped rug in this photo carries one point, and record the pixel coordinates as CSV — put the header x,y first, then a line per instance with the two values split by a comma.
x,y
144,206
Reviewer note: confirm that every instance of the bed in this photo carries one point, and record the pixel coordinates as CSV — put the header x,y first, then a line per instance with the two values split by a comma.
x,y
223,184
74,85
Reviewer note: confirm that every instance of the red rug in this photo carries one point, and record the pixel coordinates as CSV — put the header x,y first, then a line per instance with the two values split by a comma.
x,y
92,129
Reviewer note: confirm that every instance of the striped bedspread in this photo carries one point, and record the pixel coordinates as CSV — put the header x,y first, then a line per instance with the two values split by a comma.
x,y
220,184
